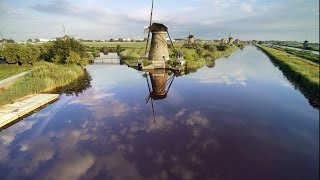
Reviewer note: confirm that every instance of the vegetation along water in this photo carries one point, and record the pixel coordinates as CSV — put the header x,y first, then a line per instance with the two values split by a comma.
x,y
304,73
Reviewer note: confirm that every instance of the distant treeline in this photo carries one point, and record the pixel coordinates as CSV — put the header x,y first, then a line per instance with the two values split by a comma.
x,y
64,50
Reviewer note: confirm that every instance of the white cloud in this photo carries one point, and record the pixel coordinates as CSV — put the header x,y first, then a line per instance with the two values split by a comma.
x,y
100,19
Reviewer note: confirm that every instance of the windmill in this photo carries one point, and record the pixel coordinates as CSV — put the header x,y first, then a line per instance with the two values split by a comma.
x,y
158,85
2,41
230,39
306,43
191,39
1,35
159,47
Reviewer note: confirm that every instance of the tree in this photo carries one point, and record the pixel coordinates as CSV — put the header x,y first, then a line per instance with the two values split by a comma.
x,y
73,58
10,41
199,50
63,47
45,49
104,50
29,41
118,49
10,52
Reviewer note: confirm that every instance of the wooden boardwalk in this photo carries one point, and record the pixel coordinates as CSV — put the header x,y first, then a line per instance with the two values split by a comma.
x,y
11,112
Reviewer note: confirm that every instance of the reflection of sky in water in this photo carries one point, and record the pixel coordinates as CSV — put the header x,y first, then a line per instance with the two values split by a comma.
x,y
204,129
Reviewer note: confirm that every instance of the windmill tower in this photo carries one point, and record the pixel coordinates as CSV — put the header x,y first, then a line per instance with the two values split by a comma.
x,y
159,46
2,41
158,85
230,39
191,39
306,44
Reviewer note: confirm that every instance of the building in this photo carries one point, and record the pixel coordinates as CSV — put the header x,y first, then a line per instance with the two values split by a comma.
x,y
230,40
305,44
159,46
191,40
237,42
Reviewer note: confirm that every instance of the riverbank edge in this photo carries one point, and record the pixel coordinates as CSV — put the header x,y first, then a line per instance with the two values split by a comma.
x,y
44,78
130,57
309,88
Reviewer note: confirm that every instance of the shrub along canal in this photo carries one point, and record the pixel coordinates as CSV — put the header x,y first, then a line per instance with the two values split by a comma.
x,y
241,119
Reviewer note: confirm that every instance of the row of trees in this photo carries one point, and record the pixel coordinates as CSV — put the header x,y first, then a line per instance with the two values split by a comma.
x,y
63,51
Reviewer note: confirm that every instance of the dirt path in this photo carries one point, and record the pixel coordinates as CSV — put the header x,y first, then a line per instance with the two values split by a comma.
x,y
10,80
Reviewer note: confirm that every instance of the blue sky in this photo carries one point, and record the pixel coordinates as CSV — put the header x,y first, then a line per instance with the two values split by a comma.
x,y
207,19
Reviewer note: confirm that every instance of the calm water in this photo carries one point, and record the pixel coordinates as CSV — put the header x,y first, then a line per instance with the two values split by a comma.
x,y
240,119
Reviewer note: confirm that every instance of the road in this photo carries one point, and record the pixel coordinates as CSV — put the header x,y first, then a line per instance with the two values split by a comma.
x,y
10,80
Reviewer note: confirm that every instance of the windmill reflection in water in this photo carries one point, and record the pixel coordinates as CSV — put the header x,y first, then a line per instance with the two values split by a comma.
x,y
159,82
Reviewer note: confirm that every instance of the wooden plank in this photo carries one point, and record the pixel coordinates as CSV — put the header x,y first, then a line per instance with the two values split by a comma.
x,y
11,112
7,118
26,109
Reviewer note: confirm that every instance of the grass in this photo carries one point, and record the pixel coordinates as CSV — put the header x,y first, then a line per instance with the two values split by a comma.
x,y
10,70
304,73
43,78
303,54
195,61
114,44
135,45
133,52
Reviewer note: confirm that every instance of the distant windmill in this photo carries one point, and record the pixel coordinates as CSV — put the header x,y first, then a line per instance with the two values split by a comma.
x,y
159,46
159,86
191,39
230,39
306,43
2,41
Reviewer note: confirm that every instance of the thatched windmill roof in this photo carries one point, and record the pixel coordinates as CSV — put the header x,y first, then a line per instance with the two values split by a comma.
x,y
158,27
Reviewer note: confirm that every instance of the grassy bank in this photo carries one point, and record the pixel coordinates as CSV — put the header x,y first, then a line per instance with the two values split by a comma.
x,y
195,60
195,57
43,78
303,54
303,73
10,70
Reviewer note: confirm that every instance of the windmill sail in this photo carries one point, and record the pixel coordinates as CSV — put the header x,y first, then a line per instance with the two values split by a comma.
x,y
149,27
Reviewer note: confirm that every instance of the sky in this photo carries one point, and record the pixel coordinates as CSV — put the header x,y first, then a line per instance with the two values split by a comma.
x,y
206,19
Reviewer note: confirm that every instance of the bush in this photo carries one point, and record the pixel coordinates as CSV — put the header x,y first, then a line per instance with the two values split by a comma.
x,y
44,77
62,48
74,58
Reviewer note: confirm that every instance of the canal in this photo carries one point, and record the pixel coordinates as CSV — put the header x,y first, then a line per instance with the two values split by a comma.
x,y
238,119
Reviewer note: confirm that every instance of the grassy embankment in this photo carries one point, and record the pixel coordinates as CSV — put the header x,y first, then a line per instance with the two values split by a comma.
x,y
303,54
43,78
10,70
303,73
195,60
132,52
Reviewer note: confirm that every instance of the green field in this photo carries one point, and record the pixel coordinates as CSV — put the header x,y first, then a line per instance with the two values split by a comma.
x,y
141,45
10,70
303,54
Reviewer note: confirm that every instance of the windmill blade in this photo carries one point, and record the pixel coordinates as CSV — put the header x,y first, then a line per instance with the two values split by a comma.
x,y
154,116
149,27
170,83
148,97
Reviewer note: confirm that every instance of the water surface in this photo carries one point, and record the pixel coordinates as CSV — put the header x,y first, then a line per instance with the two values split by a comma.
x,y
240,119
